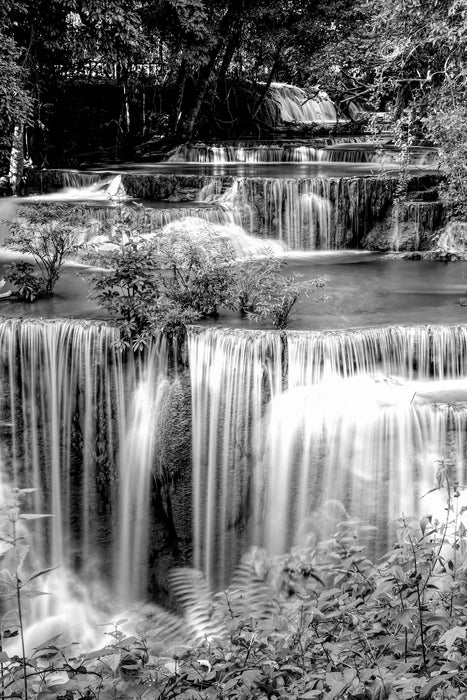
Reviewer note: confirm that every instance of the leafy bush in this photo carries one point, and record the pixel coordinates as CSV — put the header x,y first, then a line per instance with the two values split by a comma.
x,y
50,234
21,275
197,275
253,279
169,280
131,290
322,622
281,296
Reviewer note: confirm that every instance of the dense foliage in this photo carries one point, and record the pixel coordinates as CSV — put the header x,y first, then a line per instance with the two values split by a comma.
x,y
321,622
49,235
164,280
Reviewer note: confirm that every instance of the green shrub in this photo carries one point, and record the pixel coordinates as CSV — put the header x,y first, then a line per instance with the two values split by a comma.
x,y
50,234
322,622
281,295
25,283
168,280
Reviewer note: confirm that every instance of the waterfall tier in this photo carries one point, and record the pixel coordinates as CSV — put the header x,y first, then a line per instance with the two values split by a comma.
x,y
282,426
303,212
295,106
253,436
84,427
362,152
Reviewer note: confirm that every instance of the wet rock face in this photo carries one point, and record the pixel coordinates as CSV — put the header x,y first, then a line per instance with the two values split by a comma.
x,y
409,227
170,527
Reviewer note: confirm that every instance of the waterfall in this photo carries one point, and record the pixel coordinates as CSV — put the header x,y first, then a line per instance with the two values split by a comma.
x,y
304,213
363,444
315,213
79,423
78,180
263,432
283,423
137,456
232,375
352,151
296,106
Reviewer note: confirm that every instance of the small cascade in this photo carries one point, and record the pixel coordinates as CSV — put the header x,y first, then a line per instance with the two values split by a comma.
x,y
75,180
282,426
232,376
79,423
407,226
363,444
296,106
352,151
101,190
230,200
413,352
138,437
160,217
237,242
316,213
244,153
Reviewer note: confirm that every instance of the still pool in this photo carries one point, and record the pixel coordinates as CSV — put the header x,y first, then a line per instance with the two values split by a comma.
x,y
364,289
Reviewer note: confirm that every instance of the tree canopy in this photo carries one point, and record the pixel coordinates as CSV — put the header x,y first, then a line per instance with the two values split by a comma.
x,y
182,68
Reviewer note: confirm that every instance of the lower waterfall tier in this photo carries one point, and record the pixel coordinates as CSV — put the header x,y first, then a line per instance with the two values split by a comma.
x,y
146,463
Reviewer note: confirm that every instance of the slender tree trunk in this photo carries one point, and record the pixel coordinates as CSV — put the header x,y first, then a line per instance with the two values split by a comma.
x,y
265,89
180,93
230,20
16,159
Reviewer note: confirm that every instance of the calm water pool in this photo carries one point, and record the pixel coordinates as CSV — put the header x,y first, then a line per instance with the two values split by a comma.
x,y
364,289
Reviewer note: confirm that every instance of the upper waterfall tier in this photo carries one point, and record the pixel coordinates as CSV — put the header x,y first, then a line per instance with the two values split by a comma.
x,y
306,211
296,106
357,151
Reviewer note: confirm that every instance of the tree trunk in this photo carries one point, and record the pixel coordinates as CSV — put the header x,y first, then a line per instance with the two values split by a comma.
x,y
229,23
180,93
264,91
16,169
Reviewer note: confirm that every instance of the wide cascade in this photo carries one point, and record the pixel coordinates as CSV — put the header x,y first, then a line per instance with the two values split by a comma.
x,y
247,441
309,196
334,150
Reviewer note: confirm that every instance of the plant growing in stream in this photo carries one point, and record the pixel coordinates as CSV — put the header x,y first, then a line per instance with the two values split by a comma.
x,y
50,234
281,295
169,280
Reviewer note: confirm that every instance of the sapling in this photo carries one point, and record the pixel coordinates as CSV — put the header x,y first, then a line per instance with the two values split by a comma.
x,y
14,585
49,234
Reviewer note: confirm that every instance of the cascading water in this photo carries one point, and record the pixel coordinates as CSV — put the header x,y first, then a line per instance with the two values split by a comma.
x,y
280,426
350,152
313,213
361,443
296,106
80,425
231,379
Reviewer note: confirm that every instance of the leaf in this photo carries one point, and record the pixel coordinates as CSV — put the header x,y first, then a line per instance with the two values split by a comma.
x,y
449,638
4,658
427,689
36,574
404,618
57,678
34,516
